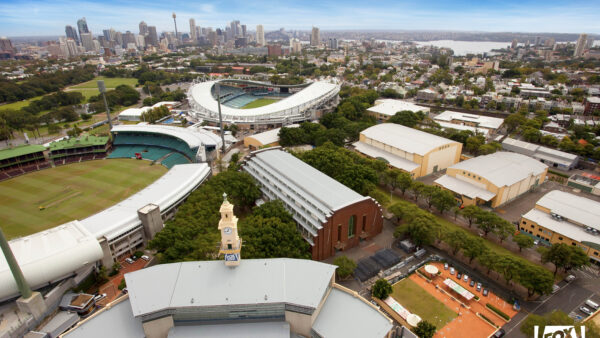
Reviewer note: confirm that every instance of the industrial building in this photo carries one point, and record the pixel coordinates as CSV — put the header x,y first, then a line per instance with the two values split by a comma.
x,y
386,108
552,157
265,139
562,217
475,123
494,179
135,114
414,151
329,215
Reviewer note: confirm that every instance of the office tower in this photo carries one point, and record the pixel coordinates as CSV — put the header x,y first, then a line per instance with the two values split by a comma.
x,y
152,36
6,45
514,44
71,33
580,46
72,47
538,40
243,31
260,35
87,41
128,38
82,26
139,41
175,22
106,34
143,28
118,38
590,42
199,32
333,43
193,33
549,42
295,45
314,37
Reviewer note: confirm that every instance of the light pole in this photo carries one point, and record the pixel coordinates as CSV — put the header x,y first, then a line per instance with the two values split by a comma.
x,y
102,89
220,118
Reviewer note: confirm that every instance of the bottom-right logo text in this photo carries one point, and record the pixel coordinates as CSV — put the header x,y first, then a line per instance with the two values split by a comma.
x,y
559,331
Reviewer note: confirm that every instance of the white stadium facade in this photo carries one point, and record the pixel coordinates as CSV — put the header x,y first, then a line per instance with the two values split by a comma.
x,y
301,103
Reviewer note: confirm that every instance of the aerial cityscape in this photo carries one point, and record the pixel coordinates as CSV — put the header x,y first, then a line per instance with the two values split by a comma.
x,y
319,169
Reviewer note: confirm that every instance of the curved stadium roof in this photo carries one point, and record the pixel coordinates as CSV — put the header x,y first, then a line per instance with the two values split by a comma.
x,y
192,137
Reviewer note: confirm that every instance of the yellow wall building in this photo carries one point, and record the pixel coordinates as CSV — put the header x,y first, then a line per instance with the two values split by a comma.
x,y
408,149
561,217
493,179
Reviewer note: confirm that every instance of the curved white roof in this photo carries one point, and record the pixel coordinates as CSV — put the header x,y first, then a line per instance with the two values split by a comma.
x,y
200,95
502,168
191,136
164,192
404,138
49,255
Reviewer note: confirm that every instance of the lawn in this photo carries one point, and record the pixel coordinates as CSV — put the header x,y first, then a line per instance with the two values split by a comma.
x,y
19,104
259,103
416,300
109,82
70,192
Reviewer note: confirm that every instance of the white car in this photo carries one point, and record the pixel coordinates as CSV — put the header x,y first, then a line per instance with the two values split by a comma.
x,y
452,271
466,278
99,297
586,310
129,260
146,258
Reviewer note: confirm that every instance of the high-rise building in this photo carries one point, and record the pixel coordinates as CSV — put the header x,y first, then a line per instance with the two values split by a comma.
x,y
315,39
590,42
580,46
106,33
143,28
6,45
193,33
82,26
296,46
274,50
139,41
333,43
176,34
549,42
538,40
152,36
514,44
260,35
87,40
71,33
118,38
243,31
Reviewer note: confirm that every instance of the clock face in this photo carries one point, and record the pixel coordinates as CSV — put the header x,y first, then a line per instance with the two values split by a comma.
x,y
227,230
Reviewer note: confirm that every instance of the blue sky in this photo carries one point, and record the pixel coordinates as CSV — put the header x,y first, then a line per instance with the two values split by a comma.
x,y
49,17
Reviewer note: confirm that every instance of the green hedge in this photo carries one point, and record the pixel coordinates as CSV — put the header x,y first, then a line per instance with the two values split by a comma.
x,y
558,173
498,311
488,320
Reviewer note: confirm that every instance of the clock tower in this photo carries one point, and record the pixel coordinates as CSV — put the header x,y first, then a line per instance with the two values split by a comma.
x,y
231,243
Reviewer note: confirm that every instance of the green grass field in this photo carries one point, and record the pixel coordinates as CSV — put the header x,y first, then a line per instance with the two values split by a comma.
x,y
259,103
19,104
109,82
70,192
416,300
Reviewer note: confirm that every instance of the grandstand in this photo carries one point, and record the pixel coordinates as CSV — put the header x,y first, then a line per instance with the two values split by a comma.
x,y
79,149
22,159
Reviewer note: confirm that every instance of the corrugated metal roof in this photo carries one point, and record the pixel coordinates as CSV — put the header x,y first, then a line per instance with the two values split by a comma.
x,y
270,136
191,136
464,188
117,321
211,283
20,150
404,138
565,228
246,330
393,160
344,315
390,107
579,209
482,121
502,168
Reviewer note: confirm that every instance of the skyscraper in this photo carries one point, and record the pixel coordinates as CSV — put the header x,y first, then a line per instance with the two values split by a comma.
x,y
315,39
143,28
152,36
260,35
333,43
176,35
87,41
82,26
106,33
193,35
243,31
71,33
580,46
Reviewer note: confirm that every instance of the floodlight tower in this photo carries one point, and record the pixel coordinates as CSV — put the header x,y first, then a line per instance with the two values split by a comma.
x,y
218,87
102,89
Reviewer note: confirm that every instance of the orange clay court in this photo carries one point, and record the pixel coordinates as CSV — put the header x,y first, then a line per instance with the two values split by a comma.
x,y
466,319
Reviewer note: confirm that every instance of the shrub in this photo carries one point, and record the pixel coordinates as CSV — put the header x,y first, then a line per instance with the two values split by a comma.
x,y
487,320
498,311
122,285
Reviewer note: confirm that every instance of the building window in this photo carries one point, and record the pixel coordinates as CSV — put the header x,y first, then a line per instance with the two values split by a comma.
x,y
229,246
560,238
595,253
524,222
339,233
533,226
351,225
364,223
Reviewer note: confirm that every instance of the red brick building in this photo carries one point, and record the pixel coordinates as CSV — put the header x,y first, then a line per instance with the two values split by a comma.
x,y
592,105
329,215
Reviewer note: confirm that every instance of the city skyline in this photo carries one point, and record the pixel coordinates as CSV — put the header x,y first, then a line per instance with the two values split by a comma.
x,y
523,16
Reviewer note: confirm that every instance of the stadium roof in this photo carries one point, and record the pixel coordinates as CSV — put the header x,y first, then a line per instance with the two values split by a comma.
x,y
212,283
20,150
480,120
502,168
277,329
390,107
49,255
394,160
165,192
191,136
404,138
576,208
343,315
201,93
83,141
464,188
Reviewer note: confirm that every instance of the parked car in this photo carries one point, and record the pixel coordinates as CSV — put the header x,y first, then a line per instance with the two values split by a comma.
x,y
445,266
585,310
452,271
478,286
458,275
499,333
486,292
99,297
570,278
465,278
472,283
129,260
134,257
146,258
555,288
536,242
592,304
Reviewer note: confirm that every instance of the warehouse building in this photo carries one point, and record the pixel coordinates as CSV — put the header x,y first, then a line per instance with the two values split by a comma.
x,y
268,138
386,108
414,151
561,217
476,123
330,215
494,179
552,157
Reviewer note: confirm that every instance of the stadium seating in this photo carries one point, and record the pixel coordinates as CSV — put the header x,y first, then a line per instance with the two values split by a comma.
x,y
240,101
161,141
173,159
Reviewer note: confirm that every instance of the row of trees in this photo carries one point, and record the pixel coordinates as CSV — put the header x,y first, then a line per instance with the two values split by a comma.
x,y
58,99
155,114
122,95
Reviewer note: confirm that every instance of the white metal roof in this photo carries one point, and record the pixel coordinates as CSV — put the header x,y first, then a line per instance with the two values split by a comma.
x,y
270,136
116,321
566,228
390,107
464,188
482,121
191,136
134,112
448,125
49,255
513,144
344,315
577,208
164,192
211,283
393,160
404,138
539,152
278,329
502,168
201,93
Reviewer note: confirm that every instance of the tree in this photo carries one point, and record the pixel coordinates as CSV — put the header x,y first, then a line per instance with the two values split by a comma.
x,y
513,121
422,229
417,187
474,143
429,192
443,200
558,254
345,266
537,280
382,289
274,208
473,247
577,259
523,241
488,259
471,212
509,267
456,240
406,118
404,181
272,238
425,329
503,229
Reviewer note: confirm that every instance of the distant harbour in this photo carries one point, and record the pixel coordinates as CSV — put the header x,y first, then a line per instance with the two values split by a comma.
x,y
462,48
